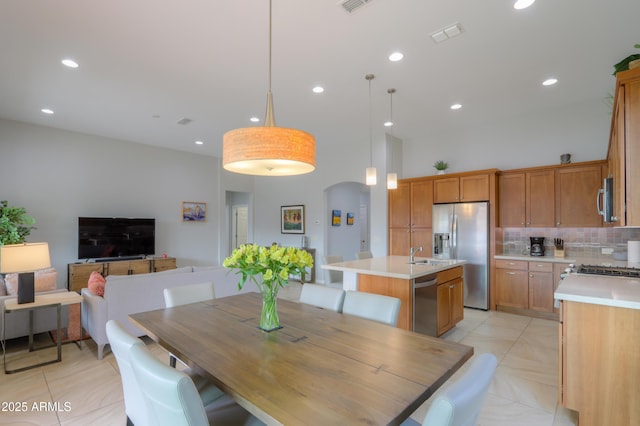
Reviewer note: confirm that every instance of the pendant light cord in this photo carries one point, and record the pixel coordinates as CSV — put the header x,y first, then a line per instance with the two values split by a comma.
x,y
270,24
370,77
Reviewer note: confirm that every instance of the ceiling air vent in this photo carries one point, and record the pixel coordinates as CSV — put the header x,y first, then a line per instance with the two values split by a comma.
x,y
351,5
184,121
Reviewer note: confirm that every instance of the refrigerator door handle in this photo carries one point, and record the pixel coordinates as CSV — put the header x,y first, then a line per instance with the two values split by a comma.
x,y
454,237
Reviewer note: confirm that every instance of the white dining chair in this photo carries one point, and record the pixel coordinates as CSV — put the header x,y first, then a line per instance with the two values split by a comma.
x,y
364,255
334,278
459,403
120,341
184,295
322,296
371,306
172,398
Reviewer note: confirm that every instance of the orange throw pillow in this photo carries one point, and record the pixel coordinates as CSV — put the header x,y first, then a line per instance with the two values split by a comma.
x,y
96,283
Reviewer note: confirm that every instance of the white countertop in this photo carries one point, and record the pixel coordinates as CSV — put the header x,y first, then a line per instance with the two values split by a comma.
x,y
600,290
395,266
534,258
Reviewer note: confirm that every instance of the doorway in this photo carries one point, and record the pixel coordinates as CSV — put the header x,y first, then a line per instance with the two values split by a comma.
x,y
239,225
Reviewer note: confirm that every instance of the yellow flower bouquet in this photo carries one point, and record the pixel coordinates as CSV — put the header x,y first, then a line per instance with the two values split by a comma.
x,y
269,268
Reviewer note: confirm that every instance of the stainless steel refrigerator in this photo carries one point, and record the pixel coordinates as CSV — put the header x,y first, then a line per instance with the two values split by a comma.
x,y
461,231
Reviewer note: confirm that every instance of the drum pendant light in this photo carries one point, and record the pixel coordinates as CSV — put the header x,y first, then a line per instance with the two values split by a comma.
x,y
370,177
269,150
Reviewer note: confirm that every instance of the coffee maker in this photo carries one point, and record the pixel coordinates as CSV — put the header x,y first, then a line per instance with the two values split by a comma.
x,y
537,246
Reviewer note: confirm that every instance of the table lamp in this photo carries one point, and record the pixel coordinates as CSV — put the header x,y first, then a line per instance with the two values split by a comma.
x,y
24,259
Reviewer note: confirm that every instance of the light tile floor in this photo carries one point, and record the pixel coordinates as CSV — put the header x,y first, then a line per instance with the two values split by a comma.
x,y
82,390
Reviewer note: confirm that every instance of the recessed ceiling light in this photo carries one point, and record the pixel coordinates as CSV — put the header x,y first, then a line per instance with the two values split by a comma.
x,y
456,106
396,56
388,123
254,119
550,82
199,143
47,111
523,4
70,63
318,89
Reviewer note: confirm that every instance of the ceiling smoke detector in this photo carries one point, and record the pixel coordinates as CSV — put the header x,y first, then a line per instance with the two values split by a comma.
x,y
351,5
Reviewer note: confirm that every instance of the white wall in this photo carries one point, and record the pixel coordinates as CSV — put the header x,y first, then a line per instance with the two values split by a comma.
x,y
58,176
538,140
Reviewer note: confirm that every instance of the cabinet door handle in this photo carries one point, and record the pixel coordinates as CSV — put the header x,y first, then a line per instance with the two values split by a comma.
x,y
452,287
511,273
510,263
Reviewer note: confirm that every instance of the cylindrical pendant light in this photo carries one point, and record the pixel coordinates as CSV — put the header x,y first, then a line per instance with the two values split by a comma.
x,y
269,150
371,173
392,178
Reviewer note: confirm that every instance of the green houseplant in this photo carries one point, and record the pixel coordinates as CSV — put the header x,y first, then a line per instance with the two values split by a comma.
x,y
269,268
623,65
441,166
15,224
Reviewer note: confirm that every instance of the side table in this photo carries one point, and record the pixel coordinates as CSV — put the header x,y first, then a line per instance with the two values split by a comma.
x,y
44,301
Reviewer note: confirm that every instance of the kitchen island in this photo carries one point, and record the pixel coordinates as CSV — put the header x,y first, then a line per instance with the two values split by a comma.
x,y
599,353
396,276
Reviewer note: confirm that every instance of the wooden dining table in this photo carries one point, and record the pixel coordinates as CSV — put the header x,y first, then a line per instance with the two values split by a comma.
x,y
321,367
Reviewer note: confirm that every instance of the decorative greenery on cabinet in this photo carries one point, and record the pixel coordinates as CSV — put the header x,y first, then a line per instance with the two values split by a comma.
x,y
15,224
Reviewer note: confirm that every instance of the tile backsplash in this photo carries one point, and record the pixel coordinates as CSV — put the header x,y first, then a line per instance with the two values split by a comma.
x,y
578,242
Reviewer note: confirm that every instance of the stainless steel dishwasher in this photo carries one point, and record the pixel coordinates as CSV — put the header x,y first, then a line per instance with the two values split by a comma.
x,y
425,304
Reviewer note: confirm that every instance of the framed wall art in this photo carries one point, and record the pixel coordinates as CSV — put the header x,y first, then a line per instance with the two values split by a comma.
x,y
336,217
350,218
292,219
194,211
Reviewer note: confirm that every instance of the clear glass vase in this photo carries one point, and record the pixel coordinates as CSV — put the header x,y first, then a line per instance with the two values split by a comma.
x,y
269,320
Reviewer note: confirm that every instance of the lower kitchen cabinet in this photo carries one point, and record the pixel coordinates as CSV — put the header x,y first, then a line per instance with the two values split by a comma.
x,y
450,299
526,286
599,363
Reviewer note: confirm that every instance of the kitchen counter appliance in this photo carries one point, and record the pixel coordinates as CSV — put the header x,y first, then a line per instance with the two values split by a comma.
x,y
611,271
537,246
461,231
425,305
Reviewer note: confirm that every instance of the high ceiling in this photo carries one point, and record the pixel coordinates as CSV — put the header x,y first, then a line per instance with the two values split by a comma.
x,y
145,64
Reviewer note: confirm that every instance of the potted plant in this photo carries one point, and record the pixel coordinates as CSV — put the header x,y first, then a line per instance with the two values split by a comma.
x,y
629,62
441,167
15,224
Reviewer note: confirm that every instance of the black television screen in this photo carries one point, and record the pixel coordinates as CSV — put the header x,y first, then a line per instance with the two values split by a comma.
x,y
102,237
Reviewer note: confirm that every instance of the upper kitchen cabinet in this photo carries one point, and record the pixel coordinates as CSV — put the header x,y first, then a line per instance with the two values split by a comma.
x,y
624,148
410,208
461,188
527,198
576,192
551,196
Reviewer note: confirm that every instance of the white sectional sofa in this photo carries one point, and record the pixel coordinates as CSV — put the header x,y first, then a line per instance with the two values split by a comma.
x,y
130,294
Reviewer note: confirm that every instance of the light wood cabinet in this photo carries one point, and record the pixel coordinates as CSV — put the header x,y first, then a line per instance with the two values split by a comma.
x,y
512,284
464,188
551,196
128,267
576,191
541,286
512,200
599,363
525,285
450,299
410,211
78,273
540,193
624,148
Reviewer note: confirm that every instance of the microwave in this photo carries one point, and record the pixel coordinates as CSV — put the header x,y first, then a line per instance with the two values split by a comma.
x,y
604,201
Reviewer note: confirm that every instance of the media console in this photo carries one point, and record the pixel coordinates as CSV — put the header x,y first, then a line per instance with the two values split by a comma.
x,y
78,273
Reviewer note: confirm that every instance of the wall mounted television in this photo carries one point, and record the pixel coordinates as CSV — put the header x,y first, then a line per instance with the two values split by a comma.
x,y
113,238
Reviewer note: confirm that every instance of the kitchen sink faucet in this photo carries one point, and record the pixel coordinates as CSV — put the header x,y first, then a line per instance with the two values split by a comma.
x,y
412,253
